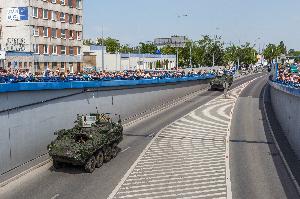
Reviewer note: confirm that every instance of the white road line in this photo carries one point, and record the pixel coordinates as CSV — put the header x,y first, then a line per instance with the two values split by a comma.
x,y
125,150
169,169
212,176
55,196
168,186
175,179
189,190
168,182
222,113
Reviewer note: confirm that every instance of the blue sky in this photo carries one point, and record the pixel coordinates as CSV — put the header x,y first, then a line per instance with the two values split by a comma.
x,y
132,21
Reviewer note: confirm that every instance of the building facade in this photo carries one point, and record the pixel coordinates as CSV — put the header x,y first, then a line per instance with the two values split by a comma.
x,y
41,34
174,41
92,59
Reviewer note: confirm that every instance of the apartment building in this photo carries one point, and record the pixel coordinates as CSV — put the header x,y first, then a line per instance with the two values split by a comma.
x,y
41,34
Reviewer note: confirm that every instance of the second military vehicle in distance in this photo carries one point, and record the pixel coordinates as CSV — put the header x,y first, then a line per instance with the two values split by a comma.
x,y
91,142
221,82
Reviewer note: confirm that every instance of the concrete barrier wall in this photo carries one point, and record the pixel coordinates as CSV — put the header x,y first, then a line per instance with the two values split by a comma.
x,y
27,130
286,105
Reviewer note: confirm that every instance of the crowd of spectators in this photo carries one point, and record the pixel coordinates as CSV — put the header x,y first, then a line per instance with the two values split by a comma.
x,y
15,75
288,77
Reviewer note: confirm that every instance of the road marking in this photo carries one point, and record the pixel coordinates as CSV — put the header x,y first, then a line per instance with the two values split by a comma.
x,y
125,150
188,158
151,135
55,196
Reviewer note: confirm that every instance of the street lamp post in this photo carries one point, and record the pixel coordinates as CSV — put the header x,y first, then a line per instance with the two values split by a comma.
x,y
102,44
191,54
177,58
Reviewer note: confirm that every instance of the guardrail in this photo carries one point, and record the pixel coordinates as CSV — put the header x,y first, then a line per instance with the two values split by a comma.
x,y
34,86
290,89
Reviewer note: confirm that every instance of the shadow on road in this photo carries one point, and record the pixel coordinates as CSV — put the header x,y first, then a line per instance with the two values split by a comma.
x,y
250,142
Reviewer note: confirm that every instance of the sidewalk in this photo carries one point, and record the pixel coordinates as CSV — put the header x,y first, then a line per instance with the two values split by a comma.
x,y
187,159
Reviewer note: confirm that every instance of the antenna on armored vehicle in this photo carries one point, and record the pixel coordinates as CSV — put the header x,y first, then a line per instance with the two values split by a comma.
x,y
120,121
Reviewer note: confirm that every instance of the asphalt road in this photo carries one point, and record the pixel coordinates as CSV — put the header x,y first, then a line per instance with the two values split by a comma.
x,y
257,170
75,183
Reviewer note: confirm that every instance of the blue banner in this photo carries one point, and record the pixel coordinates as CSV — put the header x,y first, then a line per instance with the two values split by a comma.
x,y
23,12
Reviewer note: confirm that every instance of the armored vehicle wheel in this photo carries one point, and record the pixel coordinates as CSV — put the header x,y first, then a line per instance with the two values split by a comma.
x,y
114,151
107,154
99,159
90,165
57,165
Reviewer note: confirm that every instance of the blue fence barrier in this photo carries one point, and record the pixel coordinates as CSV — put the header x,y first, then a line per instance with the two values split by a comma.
x,y
33,86
290,89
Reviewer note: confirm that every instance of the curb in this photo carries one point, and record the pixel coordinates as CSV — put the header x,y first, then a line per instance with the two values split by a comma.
x,y
277,146
24,173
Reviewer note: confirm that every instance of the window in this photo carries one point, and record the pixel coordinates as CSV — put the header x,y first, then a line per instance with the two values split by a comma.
x,y
46,49
70,18
78,19
71,51
54,50
35,48
62,65
37,65
63,34
46,65
62,2
53,33
45,14
25,64
36,31
35,12
62,17
53,16
63,50
71,36
78,35
54,65
70,3
79,4
78,50
45,31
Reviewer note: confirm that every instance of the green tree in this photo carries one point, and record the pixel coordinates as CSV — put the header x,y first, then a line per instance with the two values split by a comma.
x,y
147,48
214,48
247,54
88,42
295,54
281,48
271,52
168,50
112,45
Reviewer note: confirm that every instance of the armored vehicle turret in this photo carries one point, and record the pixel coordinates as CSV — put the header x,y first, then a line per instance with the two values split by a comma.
x,y
92,141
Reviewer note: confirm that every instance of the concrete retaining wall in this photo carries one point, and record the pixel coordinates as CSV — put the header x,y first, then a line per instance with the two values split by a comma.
x,y
27,129
286,105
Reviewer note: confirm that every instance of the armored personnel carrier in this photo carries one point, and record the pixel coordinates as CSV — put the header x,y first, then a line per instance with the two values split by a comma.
x,y
221,82
92,141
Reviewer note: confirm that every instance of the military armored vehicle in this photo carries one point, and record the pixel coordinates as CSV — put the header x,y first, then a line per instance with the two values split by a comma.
x,y
92,141
221,82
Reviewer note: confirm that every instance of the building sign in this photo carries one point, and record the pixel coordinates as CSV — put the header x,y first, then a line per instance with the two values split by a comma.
x,y
15,44
17,14
2,54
